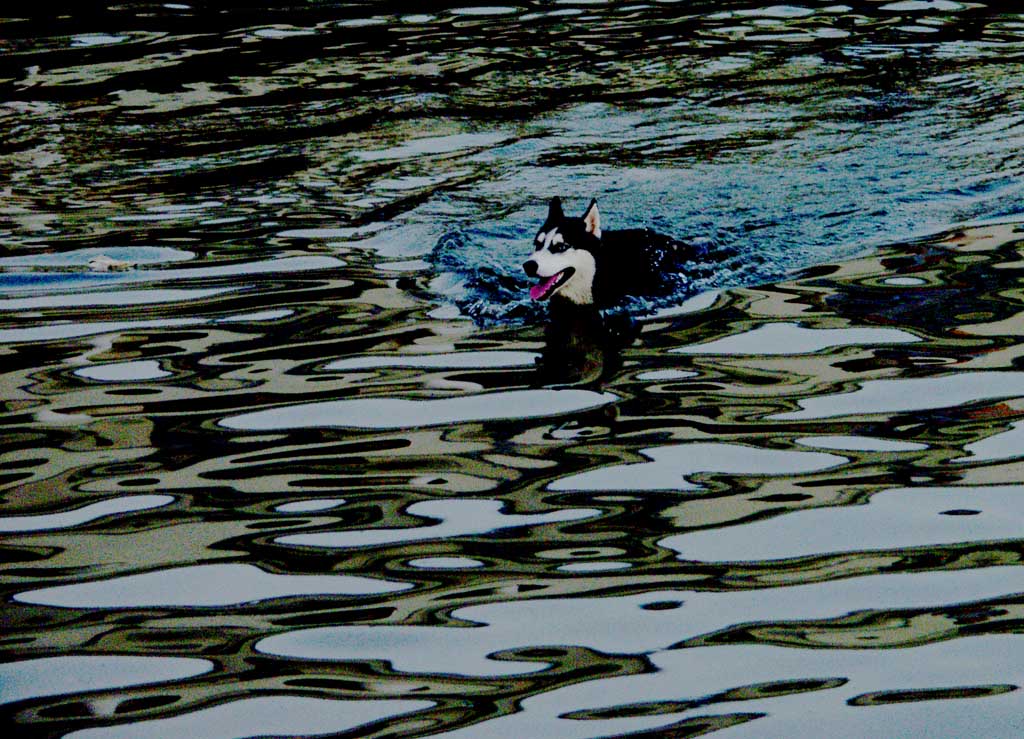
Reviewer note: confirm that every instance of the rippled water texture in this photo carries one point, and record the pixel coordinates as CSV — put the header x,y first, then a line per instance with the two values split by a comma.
x,y
288,451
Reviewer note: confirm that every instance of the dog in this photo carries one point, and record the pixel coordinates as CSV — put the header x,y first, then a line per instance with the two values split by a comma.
x,y
576,262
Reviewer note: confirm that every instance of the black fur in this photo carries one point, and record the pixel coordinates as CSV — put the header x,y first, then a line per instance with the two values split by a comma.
x,y
640,262
582,346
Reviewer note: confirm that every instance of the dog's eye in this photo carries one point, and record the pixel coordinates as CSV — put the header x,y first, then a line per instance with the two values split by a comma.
x,y
558,248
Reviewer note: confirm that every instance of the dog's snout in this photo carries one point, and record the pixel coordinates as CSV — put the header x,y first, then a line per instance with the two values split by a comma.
x,y
530,268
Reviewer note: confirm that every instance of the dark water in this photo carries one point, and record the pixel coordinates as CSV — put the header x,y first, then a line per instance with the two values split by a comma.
x,y
290,468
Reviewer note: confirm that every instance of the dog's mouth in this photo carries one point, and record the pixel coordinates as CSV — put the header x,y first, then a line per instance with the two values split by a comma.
x,y
547,285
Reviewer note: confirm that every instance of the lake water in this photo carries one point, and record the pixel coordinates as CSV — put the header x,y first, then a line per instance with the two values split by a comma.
x,y
287,450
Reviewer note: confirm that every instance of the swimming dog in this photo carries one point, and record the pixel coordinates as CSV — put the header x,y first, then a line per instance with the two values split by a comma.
x,y
575,261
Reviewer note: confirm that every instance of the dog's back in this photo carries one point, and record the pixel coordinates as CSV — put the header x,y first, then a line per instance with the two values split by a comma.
x,y
641,262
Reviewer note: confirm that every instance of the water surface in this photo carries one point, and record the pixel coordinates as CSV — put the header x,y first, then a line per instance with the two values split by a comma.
x,y
286,449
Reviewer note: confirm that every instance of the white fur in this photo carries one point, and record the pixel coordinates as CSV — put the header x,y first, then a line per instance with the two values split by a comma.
x,y
545,240
592,220
579,288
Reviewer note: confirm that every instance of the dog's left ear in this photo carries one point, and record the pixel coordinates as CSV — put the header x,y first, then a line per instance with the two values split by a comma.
x,y
592,219
555,209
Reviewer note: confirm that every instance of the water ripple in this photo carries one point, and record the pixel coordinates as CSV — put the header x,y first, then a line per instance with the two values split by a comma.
x,y
286,447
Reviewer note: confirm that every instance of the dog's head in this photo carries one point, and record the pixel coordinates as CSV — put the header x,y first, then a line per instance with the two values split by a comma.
x,y
563,255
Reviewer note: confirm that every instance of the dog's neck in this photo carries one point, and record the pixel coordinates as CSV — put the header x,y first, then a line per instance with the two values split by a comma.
x,y
561,307
580,289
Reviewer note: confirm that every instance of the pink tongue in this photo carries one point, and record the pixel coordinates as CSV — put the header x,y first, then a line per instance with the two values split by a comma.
x,y
539,290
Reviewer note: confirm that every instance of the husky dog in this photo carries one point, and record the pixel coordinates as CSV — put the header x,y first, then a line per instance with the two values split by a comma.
x,y
576,262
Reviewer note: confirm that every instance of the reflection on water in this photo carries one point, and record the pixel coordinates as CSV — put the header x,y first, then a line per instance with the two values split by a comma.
x,y
85,514
263,473
392,413
914,517
791,338
200,586
35,678
763,690
263,715
670,466
919,393
456,518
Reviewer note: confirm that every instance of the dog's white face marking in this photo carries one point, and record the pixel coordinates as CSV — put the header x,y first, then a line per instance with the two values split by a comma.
x,y
553,258
549,239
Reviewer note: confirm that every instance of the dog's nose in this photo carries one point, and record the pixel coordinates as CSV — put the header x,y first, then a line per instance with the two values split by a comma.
x,y
530,268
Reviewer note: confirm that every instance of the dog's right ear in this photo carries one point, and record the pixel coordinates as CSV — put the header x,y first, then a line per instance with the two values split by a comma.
x,y
555,209
592,219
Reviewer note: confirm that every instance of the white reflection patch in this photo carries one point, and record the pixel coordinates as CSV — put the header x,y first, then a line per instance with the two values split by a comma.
x,y
919,393
457,518
670,466
202,586
277,715
894,519
392,413
37,678
790,338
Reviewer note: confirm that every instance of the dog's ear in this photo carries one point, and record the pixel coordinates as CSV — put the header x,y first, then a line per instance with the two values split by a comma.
x,y
555,209
592,219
